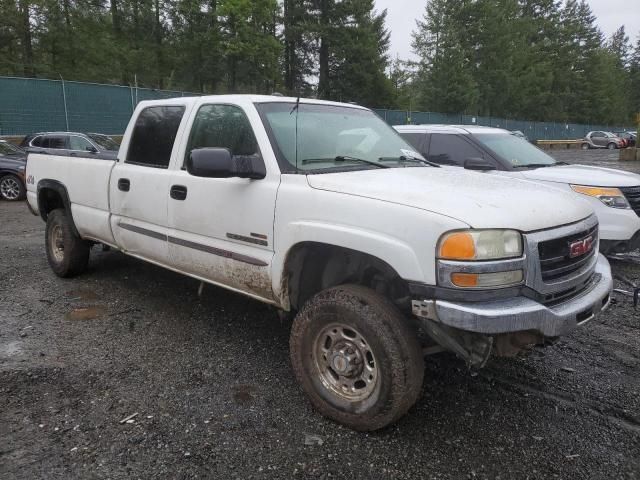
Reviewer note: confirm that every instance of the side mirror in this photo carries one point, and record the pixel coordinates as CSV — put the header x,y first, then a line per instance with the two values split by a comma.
x,y
219,163
477,163
92,149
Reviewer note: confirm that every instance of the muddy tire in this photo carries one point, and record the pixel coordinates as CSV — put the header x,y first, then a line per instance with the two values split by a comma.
x,y
67,253
356,357
12,188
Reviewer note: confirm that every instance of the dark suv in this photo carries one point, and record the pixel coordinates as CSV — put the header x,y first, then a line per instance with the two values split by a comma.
x,y
94,143
13,162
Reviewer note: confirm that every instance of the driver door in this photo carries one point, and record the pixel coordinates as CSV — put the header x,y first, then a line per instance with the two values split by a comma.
x,y
221,229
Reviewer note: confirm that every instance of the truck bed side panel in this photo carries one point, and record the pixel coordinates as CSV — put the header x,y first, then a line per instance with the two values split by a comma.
x,y
87,184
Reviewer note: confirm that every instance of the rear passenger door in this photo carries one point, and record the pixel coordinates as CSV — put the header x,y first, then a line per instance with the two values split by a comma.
x,y
453,149
222,228
139,185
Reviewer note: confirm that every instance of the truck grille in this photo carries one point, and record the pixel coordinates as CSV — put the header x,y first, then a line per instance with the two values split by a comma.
x,y
556,262
632,194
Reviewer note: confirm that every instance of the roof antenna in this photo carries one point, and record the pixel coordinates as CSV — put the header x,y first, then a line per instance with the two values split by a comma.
x,y
296,108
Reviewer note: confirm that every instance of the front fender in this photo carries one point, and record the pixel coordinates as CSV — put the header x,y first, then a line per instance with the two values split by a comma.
x,y
391,250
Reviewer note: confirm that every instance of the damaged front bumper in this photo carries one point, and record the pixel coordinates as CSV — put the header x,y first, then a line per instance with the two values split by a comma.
x,y
521,313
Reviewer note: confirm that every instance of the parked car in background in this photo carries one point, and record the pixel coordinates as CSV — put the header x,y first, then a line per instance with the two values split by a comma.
x,y
600,139
629,137
13,162
613,194
94,143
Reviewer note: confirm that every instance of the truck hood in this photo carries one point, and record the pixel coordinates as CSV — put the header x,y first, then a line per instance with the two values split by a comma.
x,y
481,200
584,175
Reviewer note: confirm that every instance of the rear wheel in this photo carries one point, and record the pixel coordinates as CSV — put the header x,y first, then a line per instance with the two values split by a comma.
x,y
12,188
356,357
611,146
67,253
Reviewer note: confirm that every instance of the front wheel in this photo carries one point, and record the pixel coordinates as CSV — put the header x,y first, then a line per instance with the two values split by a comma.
x,y
356,357
611,146
67,253
12,188
585,146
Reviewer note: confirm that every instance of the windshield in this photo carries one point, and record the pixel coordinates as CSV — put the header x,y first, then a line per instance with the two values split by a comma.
x,y
515,150
104,142
329,138
8,149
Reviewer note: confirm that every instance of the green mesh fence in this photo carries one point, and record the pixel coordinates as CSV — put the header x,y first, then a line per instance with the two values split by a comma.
x,y
30,105
533,130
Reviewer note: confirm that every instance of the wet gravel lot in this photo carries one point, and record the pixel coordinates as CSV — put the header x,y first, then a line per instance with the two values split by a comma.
x,y
209,381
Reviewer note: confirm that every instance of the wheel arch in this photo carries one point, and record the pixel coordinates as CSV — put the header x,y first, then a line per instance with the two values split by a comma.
x,y
312,266
52,195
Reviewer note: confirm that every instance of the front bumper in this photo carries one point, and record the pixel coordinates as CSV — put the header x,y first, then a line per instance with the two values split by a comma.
x,y
521,313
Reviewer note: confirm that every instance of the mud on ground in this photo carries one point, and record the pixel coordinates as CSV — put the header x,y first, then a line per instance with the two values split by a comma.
x,y
209,381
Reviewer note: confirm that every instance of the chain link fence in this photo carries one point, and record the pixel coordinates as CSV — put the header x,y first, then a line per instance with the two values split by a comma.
x,y
29,105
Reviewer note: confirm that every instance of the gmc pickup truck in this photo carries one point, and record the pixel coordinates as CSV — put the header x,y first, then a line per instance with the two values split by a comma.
x,y
325,212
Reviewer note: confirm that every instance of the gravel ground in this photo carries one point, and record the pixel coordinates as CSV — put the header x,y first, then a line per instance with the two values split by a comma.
x,y
214,394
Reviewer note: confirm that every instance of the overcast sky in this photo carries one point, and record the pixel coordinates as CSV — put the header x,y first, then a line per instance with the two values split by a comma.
x,y
402,15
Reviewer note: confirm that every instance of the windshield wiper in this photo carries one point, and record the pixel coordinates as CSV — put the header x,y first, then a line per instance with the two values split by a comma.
x,y
403,158
343,158
538,165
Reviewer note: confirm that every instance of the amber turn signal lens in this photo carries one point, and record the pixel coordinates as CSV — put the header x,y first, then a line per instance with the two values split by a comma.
x,y
459,246
464,279
597,191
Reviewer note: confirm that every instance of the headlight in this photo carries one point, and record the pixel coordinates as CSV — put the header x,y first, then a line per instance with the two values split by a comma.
x,y
611,197
480,245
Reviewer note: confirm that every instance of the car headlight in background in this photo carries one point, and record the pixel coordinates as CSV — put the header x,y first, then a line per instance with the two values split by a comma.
x,y
480,245
610,196
480,259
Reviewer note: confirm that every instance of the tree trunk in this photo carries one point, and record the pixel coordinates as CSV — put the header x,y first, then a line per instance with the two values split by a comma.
x,y
323,81
27,46
158,42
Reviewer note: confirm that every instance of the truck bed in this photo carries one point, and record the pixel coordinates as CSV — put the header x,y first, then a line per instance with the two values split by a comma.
x,y
86,180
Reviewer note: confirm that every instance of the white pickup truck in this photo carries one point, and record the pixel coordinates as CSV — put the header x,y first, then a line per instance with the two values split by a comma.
x,y
324,211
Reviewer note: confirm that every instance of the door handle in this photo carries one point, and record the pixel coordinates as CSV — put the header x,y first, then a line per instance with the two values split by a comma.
x,y
124,184
178,192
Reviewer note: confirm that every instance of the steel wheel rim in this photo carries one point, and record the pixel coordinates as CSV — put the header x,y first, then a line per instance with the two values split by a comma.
x,y
345,362
56,242
10,188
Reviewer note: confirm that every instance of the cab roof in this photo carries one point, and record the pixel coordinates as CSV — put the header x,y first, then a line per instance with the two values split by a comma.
x,y
243,99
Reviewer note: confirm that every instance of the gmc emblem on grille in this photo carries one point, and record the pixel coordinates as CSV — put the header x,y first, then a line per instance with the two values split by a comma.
x,y
580,247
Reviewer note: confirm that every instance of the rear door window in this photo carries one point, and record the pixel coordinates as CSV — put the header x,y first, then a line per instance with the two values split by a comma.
x,y
153,136
417,141
451,149
37,142
56,142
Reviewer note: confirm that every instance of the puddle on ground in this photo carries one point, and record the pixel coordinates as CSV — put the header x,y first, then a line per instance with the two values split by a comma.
x,y
10,349
243,394
81,294
85,313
